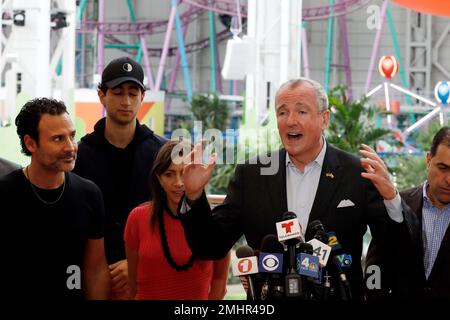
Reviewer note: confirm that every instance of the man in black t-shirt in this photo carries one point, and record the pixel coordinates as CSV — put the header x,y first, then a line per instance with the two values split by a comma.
x,y
53,220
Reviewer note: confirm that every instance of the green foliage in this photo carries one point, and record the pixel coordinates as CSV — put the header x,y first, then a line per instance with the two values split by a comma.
x,y
410,170
425,138
352,122
210,110
253,139
220,178
251,142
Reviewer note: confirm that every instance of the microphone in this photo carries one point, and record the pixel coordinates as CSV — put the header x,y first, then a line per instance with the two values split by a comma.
x,y
321,250
307,263
271,264
289,232
316,225
345,291
246,265
344,260
320,247
333,241
308,266
289,228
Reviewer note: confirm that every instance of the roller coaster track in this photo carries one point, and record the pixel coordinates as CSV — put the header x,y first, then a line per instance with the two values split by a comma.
x,y
111,29
309,13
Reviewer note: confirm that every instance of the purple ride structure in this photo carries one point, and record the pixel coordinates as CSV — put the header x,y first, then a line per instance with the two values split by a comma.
x,y
282,46
184,12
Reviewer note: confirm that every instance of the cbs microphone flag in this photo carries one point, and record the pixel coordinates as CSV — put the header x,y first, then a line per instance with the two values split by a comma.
x,y
244,266
270,262
288,229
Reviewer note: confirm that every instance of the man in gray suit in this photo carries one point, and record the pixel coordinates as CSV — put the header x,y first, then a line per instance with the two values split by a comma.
x,y
417,264
7,166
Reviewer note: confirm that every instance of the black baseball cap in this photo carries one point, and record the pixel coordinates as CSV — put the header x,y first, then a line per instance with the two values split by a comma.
x,y
121,70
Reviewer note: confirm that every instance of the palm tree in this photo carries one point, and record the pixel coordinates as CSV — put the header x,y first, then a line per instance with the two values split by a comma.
x,y
352,123
210,110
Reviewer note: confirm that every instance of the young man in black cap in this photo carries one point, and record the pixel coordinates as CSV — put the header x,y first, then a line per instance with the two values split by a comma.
x,y
118,157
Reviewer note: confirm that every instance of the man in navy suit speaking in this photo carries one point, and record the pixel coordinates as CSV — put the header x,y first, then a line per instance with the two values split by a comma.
x,y
314,180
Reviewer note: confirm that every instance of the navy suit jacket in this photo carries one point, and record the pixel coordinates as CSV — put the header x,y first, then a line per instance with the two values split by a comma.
x,y
255,202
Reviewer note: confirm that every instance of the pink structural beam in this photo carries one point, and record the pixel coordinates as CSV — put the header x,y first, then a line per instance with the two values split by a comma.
x,y
345,54
375,47
101,38
147,65
162,61
305,56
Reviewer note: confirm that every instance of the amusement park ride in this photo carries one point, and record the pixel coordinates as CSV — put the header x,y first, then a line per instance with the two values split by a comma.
x,y
388,68
42,51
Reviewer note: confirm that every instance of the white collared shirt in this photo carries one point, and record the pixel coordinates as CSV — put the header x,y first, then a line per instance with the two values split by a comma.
x,y
435,222
301,187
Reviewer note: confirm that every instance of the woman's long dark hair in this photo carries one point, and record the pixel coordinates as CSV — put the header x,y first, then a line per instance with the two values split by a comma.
x,y
162,162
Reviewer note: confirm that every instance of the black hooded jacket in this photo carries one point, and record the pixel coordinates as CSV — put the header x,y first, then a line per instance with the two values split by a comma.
x,y
121,174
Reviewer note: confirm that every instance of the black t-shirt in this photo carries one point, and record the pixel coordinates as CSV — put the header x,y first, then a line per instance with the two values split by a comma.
x,y
44,244
122,174
116,197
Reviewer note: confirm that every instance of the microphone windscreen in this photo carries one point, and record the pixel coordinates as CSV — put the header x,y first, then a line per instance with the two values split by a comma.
x,y
315,226
322,236
244,251
271,244
305,248
288,215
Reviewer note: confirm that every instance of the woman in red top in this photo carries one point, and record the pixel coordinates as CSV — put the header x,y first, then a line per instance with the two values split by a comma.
x,y
160,263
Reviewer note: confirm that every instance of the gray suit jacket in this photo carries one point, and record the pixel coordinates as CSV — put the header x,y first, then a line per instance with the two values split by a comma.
x,y
403,274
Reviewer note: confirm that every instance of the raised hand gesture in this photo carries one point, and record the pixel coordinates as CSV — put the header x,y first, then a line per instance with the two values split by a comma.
x,y
197,174
377,172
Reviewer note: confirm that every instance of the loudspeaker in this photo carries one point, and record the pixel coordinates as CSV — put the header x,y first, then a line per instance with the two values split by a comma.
x,y
238,59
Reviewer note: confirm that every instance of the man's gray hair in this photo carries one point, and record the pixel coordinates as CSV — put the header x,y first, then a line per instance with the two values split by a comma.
x,y
321,94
